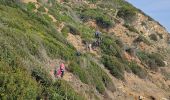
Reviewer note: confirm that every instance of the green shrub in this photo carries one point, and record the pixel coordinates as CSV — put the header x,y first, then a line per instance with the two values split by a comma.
x,y
108,82
159,59
153,60
41,9
96,78
102,19
65,31
120,43
91,73
104,22
79,71
136,69
109,47
131,28
116,68
73,30
127,12
131,51
31,6
153,37
65,91
41,76
17,83
13,3
58,50
142,39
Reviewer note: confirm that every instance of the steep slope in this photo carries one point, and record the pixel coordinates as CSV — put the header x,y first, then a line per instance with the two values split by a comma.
x,y
131,61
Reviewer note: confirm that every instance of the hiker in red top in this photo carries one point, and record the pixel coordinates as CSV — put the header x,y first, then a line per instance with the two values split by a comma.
x,y
62,68
60,71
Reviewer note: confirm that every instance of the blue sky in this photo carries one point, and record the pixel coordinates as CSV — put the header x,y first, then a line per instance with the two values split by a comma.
x,y
157,9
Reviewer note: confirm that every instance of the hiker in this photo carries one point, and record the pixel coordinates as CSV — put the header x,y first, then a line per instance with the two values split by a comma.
x,y
99,41
89,46
60,71
97,34
141,97
62,68
78,53
94,45
55,72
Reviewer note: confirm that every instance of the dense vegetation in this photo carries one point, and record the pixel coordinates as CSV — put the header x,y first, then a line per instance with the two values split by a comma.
x,y
29,37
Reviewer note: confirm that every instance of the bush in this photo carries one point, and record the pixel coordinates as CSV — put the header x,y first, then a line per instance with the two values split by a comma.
x,y
65,31
108,82
79,71
102,19
104,22
127,12
153,37
30,6
17,83
91,73
142,39
109,47
159,59
153,60
41,76
116,68
73,30
13,3
136,69
120,43
131,51
41,9
62,90
131,28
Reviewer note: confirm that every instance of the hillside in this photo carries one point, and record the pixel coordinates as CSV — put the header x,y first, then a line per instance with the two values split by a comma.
x,y
130,60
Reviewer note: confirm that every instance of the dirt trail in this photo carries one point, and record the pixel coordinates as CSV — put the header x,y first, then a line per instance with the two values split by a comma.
x,y
77,84
76,41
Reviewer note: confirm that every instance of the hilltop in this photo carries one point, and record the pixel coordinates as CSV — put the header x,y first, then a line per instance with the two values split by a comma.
x,y
132,58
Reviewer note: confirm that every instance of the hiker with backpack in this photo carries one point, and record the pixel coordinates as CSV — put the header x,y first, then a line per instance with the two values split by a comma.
x,y
60,71
62,68
97,34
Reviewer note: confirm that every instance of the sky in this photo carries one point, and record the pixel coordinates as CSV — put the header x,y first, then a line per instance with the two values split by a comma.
x,y
157,9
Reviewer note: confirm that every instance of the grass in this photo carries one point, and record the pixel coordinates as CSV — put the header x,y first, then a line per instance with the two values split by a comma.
x,y
153,60
131,28
91,73
64,90
27,36
143,39
22,38
111,47
17,83
127,12
102,20
115,66
136,69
